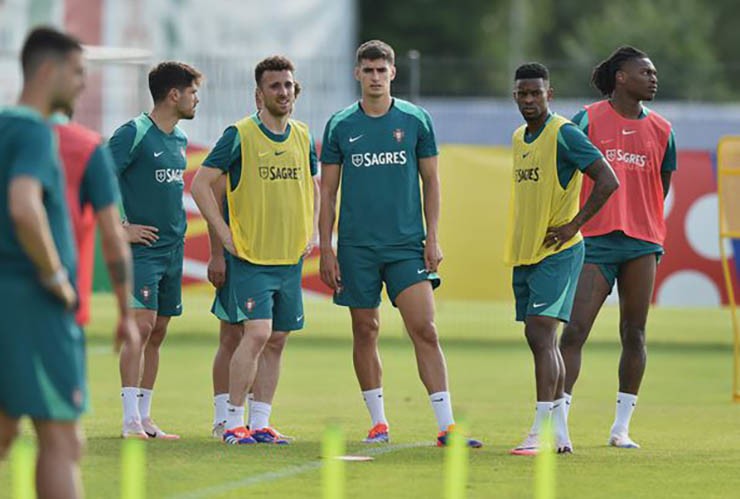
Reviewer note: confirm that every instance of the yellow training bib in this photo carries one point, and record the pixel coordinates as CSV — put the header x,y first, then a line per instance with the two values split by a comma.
x,y
271,208
538,201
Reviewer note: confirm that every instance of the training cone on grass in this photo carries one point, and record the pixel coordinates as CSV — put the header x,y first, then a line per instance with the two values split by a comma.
x,y
133,467
456,463
332,471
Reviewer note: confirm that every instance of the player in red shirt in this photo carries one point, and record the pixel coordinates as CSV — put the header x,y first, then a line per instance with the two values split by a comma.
x,y
624,241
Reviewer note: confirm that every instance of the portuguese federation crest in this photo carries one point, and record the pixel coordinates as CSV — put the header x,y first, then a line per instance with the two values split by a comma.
x,y
398,135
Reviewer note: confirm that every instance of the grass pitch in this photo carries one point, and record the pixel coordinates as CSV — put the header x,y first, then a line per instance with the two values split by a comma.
x,y
685,421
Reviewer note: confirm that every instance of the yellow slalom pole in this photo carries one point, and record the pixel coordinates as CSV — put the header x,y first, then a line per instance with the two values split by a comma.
x,y
133,466
22,468
456,463
544,465
332,472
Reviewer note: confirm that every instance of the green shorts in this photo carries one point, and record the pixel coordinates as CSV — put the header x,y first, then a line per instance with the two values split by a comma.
x,y
364,270
547,288
612,250
261,292
158,279
42,354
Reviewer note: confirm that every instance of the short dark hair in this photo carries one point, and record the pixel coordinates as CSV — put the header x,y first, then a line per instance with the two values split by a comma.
x,y
373,50
604,74
171,74
530,71
272,63
44,43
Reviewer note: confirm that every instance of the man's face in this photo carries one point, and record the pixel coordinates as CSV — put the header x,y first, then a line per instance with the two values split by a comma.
x,y
276,92
186,101
639,78
68,76
375,77
532,96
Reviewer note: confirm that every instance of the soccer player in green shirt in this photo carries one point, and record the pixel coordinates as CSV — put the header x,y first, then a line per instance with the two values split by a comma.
x,y
378,148
42,351
150,157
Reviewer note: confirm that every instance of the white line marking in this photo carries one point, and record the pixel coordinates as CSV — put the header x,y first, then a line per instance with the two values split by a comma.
x,y
288,472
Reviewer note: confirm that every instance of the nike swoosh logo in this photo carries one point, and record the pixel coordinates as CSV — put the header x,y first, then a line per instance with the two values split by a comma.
x,y
353,139
438,400
298,319
278,153
538,305
606,141
421,271
628,132
525,155
158,154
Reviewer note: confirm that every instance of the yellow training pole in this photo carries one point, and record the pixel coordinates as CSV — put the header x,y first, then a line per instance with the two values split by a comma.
x,y
456,463
22,468
133,468
332,472
544,465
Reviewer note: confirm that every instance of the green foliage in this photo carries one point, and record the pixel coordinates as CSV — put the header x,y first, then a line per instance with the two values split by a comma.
x,y
470,48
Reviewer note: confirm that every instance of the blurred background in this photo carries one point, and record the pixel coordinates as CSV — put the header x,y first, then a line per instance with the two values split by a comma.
x,y
454,58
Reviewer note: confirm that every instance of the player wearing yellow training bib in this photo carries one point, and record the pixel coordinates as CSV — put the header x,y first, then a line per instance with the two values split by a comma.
x,y
544,244
270,163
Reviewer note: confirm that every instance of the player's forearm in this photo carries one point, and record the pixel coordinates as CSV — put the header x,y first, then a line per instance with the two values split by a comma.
x,y
432,204
202,192
32,226
117,255
219,193
605,183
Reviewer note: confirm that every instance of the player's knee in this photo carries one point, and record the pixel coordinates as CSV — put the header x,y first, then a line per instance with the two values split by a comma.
x,y
366,329
574,335
64,443
156,338
277,342
424,332
632,336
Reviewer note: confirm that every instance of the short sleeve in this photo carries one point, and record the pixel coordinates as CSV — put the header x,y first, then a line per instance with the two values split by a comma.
x,y
35,152
227,151
575,148
330,151
120,145
313,158
99,186
426,146
580,119
669,159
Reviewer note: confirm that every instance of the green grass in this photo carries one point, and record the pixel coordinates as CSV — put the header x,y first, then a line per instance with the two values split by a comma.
x,y
685,420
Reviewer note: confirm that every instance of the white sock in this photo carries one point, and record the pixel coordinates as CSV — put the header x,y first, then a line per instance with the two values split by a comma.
x,y
130,398
626,403
250,401
259,415
375,406
234,416
542,414
219,407
145,403
442,409
560,421
568,398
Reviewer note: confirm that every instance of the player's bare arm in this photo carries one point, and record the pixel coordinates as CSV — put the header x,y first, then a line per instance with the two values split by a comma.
x,y
605,183
117,254
32,229
328,265
217,262
665,179
202,191
429,170
314,241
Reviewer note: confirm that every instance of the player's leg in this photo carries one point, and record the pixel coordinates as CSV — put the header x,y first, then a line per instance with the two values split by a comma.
x,y
242,372
9,428
229,337
169,301
635,282
57,468
264,388
361,285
